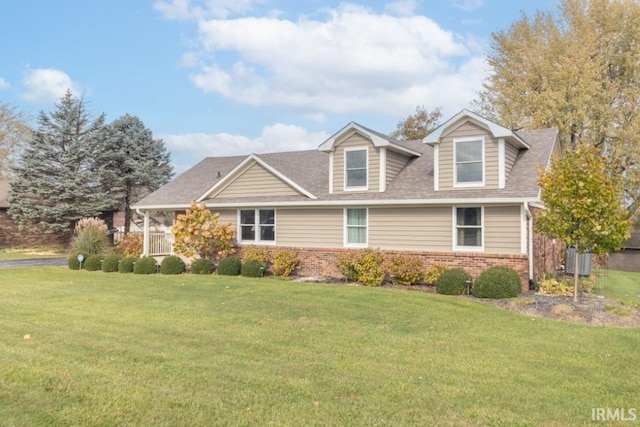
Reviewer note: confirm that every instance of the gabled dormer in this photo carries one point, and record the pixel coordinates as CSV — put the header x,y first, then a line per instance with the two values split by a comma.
x,y
471,151
363,160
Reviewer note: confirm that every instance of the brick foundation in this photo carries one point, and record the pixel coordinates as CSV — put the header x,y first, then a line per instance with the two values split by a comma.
x,y
323,262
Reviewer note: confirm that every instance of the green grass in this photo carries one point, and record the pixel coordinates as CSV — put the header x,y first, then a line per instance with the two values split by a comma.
x,y
620,285
10,254
115,349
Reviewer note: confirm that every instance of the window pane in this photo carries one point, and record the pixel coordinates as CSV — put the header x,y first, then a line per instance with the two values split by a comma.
x,y
357,178
267,232
267,216
356,159
356,217
469,172
356,235
247,232
469,216
469,237
469,151
248,217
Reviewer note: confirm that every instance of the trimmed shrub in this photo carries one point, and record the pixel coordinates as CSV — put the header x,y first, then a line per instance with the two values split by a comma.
x,y
255,252
497,282
347,264
93,262
172,265
363,266
126,264
251,268
552,286
453,282
145,265
73,262
405,269
434,272
110,263
285,262
202,266
230,266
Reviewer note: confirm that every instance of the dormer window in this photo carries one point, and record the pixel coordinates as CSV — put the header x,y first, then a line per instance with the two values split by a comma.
x,y
355,165
469,161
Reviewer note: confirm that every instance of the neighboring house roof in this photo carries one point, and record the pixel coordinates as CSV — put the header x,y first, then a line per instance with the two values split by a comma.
x,y
4,193
309,171
633,242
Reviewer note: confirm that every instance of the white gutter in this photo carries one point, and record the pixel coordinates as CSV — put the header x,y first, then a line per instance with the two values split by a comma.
x,y
530,236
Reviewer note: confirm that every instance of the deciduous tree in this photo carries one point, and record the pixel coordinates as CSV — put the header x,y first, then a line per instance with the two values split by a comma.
x,y
583,203
578,71
14,133
417,125
59,176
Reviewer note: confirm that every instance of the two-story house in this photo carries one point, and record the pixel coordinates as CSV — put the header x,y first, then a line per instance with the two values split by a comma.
x,y
466,195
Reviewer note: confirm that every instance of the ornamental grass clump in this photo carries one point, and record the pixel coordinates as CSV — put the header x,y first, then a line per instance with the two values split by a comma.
x,y
110,263
497,282
453,282
172,265
230,266
90,236
405,269
145,265
202,266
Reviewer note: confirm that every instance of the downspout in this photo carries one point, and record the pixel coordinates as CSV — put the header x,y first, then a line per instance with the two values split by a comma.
x,y
145,231
530,238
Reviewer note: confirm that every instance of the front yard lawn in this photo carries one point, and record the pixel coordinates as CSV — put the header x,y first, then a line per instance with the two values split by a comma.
x,y
90,348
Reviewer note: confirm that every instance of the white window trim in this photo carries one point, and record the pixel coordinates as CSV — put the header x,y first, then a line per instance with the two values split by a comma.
x,y
359,188
346,234
256,240
483,233
457,184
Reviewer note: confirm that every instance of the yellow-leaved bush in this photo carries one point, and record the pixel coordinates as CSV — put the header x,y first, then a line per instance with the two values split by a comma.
x,y
363,266
285,262
405,269
197,232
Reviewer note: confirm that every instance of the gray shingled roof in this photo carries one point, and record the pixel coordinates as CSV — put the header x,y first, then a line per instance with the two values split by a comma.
x,y
310,170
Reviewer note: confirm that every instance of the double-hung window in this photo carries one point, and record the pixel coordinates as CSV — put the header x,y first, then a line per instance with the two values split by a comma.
x,y
469,161
258,225
468,228
355,164
355,227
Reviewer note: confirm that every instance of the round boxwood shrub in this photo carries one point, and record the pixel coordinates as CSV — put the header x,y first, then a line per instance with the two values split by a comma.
x,y
110,263
497,282
453,282
145,265
126,264
93,262
230,266
202,266
73,262
252,268
172,265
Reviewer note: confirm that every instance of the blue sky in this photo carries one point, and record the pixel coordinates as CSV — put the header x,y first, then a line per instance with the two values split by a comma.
x,y
228,77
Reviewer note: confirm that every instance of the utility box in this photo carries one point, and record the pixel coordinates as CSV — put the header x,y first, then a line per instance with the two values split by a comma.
x,y
584,267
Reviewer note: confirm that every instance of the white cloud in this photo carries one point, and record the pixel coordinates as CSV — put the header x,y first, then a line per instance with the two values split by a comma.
x,y
188,149
402,7
468,5
44,85
354,60
188,9
3,83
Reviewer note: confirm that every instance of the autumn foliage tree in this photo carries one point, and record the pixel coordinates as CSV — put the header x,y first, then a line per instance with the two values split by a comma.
x,y
583,204
418,125
197,232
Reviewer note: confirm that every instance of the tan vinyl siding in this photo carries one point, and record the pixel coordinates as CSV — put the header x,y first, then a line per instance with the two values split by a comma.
x,y
311,228
502,228
410,228
227,215
254,181
468,130
510,154
395,163
373,162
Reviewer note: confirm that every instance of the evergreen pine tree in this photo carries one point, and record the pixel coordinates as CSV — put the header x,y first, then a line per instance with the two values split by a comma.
x,y
59,177
137,165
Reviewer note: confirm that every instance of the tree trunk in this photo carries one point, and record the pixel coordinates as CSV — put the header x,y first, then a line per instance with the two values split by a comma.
x,y
576,272
127,214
